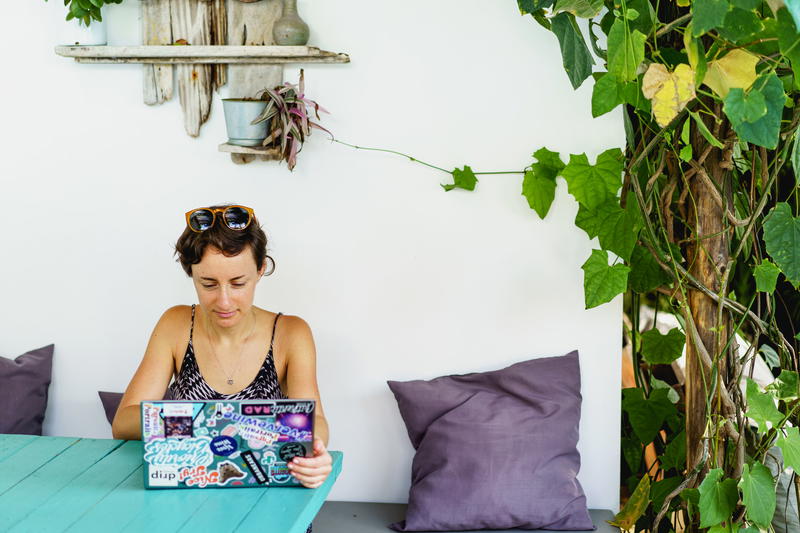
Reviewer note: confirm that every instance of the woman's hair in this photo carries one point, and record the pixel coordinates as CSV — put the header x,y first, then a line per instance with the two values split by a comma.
x,y
192,245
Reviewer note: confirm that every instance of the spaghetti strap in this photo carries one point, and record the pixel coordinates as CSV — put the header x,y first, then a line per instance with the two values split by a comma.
x,y
274,327
191,328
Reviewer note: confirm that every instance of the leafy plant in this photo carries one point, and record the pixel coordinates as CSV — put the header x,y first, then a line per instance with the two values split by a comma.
x,y
289,109
87,10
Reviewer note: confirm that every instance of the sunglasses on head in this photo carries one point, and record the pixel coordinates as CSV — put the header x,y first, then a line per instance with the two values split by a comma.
x,y
236,217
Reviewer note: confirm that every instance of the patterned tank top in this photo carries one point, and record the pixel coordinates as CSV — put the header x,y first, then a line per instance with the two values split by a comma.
x,y
190,384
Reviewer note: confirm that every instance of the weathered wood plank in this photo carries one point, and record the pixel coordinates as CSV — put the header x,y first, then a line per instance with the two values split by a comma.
x,y
201,54
195,22
156,30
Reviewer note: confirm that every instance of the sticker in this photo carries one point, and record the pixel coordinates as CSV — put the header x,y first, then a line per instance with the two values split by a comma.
x,y
178,409
227,471
280,474
223,445
230,430
178,426
179,452
153,426
268,458
198,477
290,450
257,437
285,432
256,444
256,409
254,467
201,431
162,476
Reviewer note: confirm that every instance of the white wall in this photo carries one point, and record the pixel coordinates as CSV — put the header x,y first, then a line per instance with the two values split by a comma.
x,y
398,279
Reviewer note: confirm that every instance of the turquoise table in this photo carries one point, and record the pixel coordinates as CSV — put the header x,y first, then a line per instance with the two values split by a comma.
x,y
92,485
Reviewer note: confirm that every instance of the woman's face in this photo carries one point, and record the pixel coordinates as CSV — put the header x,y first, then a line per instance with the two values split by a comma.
x,y
226,285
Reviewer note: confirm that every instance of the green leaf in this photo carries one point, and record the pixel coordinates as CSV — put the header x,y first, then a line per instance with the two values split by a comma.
x,y
674,456
647,415
705,131
658,349
766,275
580,8
795,158
717,498
788,38
644,22
673,396
741,26
746,4
532,6
635,506
539,191
661,489
605,95
548,164
761,408
707,15
462,179
758,494
790,446
575,55
615,227
601,282
646,274
782,237
786,387
770,356
632,452
744,111
625,50
592,185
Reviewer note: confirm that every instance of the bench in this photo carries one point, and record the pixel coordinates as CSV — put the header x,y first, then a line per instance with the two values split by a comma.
x,y
364,517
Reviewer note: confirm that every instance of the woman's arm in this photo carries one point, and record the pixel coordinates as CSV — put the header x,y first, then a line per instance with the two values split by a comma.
x,y
151,378
301,382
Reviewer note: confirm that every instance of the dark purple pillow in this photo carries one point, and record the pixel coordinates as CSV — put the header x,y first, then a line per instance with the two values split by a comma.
x,y
111,401
24,383
496,450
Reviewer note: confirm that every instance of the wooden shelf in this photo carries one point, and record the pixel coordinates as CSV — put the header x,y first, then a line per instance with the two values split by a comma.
x,y
245,154
178,54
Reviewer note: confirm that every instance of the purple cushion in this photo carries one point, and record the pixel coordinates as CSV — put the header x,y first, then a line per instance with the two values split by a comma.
x,y
111,401
496,450
24,383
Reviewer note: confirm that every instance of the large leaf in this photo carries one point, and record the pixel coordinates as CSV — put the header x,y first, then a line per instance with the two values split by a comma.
x,y
591,185
758,494
790,446
575,55
658,349
675,453
462,179
766,275
661,489
782,237
644,22
580,8
647,415
761,407
646,274
788,38
634,507
736,69
605,94
707,15
539,183
745,111
616,227
741,26
625,50
717,498
696,53
668,92
632,452
786,387
601,282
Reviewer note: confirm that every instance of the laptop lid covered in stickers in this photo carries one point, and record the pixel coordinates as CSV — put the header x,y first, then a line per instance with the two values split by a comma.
x,y
224,443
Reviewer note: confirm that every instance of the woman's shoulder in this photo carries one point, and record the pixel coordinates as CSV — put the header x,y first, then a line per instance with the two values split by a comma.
x,y
288,328
174,319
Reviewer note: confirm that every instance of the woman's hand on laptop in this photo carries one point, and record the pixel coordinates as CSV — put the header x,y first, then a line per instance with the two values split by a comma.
x,y
312,472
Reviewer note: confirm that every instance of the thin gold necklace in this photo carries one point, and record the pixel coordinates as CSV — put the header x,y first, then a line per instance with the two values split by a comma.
x,y
241,351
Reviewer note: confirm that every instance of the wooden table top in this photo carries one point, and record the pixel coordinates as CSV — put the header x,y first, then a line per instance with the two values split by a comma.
x,y
87,485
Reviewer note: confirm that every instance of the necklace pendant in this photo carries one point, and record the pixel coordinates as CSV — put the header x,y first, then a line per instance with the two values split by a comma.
x,y
230,382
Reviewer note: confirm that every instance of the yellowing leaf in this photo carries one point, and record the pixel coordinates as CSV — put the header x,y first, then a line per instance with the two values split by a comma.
x,y
669,92
737,69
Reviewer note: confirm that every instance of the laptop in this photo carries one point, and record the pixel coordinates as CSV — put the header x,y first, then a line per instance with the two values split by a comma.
x,y
224,443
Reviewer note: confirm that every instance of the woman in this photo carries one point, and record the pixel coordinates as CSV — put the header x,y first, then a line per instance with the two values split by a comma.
x,y
216,349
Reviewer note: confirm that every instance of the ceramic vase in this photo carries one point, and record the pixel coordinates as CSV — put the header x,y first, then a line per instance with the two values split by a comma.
x,y
290,30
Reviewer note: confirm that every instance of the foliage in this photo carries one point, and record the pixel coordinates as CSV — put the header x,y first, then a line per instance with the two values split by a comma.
x,y
289,110
86,10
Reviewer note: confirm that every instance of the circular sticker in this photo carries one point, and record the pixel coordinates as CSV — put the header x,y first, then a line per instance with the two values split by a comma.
x,y
290,450
223,445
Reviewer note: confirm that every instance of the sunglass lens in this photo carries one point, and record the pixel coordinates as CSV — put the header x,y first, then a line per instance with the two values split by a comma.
x,y
236,217
201,219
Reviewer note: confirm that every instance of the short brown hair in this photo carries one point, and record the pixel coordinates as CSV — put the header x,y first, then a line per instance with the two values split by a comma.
x,y
192,245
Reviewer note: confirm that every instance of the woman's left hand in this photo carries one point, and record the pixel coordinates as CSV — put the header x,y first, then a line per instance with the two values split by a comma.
x,y
312,472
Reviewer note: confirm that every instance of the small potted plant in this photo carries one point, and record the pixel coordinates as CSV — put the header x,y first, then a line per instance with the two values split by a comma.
x,y
288,112
81,13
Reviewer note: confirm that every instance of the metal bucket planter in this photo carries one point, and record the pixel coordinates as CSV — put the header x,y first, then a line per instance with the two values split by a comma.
x,y
238,116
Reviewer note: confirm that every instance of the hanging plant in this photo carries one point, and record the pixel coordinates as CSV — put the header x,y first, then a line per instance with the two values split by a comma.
x,y
86,10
